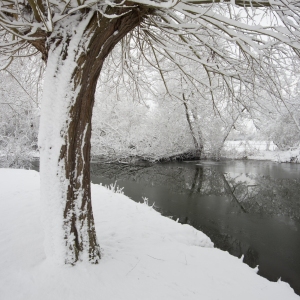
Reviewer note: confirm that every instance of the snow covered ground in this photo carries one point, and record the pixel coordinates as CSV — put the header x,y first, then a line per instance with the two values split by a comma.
x,y
144,255
260,150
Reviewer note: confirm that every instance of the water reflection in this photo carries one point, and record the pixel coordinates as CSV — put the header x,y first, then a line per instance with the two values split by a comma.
x,y
246,208
251,192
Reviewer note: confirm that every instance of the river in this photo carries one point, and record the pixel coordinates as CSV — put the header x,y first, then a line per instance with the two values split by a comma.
x,y
249,208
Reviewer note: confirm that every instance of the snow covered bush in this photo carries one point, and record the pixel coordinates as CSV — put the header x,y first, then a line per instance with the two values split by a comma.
x,y
284,133
115,188
19,113
18,136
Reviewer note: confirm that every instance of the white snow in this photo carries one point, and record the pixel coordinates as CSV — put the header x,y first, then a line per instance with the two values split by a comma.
x,y
144,255
292,155
261,150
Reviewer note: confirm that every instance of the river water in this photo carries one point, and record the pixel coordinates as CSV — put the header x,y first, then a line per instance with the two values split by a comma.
x,y
248,208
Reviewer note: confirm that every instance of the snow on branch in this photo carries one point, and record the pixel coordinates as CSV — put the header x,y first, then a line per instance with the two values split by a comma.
x,y
232,40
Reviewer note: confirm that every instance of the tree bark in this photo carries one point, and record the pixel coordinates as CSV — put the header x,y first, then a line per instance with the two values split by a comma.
x,y
75,57
198,146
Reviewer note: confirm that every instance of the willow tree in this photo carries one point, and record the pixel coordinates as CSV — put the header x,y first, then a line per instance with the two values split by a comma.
x,y
74,39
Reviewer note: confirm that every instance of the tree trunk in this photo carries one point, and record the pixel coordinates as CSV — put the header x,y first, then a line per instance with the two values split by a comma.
x,y
198,147
74,60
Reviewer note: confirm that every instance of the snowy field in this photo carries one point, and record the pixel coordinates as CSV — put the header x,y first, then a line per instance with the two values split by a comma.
x,y
144,255
260,150
250,145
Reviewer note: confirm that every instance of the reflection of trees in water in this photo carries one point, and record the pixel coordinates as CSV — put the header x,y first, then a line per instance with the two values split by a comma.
x,y
136,173
179,178
251,192
271,196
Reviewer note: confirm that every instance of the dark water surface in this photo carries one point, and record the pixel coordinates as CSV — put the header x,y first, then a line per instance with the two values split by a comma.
x,y
248,208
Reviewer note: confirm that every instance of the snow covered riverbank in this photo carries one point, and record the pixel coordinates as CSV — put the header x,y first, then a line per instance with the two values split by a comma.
x,y
254,150
144,255
260,150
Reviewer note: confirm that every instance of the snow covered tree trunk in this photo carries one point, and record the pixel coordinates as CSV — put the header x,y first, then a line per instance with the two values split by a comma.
x,y
198,146
75,56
